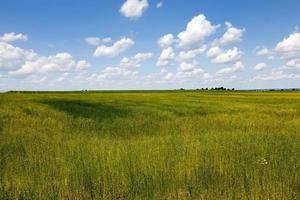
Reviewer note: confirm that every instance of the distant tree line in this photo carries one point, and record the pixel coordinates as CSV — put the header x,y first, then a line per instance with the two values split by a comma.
x,y
221,88
216,88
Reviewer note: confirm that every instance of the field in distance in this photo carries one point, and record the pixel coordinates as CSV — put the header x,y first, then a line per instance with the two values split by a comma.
x,y
150,145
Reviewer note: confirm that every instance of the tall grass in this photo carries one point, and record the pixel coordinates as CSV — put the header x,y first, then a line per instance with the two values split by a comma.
x,y
154,145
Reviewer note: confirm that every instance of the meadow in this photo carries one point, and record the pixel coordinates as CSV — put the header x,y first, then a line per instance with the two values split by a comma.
x,y
150,145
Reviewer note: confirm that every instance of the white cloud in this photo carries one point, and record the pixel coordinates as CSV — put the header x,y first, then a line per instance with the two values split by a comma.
x,y
63,77
276,75
187,72
114,50
114,73
82,65
186,67
12,37
126,69
191,54
232,35
15,61
118,72
289,47
134,8
159,4
292,64
135,61
12,57
260,66
196,31
165,56
166,41
168,76
193,41
61,62
196,73
142,56
263,52
214,52
238,66
220,57
95,41
289,44
34,79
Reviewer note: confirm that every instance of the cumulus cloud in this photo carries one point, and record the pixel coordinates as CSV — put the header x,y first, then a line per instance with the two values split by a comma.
x,y
214,52
114,73
292,64
289,44
166,41
12,37
186,67
276,75
238,66
135,61
61,62
288,48
185,72
134,8
165,56
117,48
189,71
12,57
142,56
82,65
192,44
95,41
232,35
263,52
196,31
127,68
168,76
260,66
118,72
191,54
220,57
15,61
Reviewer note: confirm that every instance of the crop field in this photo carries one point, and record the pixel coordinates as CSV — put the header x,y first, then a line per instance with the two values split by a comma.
x,y
150,145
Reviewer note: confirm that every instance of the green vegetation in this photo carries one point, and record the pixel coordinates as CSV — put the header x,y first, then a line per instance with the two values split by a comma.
x,y
151,145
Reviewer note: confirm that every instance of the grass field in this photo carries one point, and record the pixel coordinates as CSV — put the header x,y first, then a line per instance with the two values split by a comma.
x,y
150,145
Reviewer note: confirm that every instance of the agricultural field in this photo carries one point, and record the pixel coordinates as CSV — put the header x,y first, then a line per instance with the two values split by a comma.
x,y
150,145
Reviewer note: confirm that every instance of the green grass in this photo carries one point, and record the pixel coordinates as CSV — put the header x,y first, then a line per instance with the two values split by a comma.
x,y
150,145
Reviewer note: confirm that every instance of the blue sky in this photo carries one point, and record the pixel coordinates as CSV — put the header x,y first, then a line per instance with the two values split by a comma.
x,y
149,44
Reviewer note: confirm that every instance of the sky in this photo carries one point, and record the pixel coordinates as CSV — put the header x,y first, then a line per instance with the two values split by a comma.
x,y
149,44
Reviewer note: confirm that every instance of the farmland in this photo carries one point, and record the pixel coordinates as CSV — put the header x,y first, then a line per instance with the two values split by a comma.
x,y
150,145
